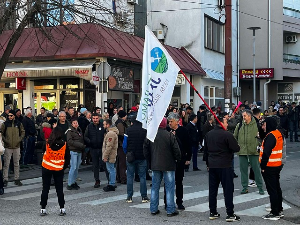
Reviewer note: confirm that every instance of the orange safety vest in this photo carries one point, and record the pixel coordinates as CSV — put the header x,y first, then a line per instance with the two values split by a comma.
x,y
54,160
276,155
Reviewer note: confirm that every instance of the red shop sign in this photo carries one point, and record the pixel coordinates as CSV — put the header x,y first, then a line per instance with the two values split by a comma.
x,y
20,83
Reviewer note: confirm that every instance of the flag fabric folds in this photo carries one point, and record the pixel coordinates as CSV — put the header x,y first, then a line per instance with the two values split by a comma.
x,y
159,75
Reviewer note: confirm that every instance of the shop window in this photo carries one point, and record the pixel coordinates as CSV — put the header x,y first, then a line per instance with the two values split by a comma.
x,y
206,91
213,34
43,84
285,87
69,83
219,92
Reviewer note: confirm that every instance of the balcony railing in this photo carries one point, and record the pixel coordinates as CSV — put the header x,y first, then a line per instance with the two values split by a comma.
x,y
289,58
291,12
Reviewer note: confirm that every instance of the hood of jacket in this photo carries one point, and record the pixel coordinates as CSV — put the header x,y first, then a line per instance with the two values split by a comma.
x,y
46,124
271,124
113,129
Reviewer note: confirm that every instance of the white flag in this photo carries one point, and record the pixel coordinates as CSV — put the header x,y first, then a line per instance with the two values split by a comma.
x,y
159,75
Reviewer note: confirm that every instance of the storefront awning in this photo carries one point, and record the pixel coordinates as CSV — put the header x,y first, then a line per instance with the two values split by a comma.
x,y
77,68
212,74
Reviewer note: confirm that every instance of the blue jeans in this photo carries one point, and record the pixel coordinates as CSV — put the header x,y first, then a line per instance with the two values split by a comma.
x,y
74,166
141,166
169,179
293,128
110,167
28,150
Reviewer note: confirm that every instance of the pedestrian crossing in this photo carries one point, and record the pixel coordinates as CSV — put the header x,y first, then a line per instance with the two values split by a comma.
x,y
195,201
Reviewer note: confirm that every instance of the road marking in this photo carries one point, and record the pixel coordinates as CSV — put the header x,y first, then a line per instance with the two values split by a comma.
x,y
22,188
220,203
32,181
258,211
186,197
78,195
116,198
37,194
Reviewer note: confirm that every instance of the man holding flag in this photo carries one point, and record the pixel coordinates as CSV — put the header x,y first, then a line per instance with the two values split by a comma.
x,y
158,80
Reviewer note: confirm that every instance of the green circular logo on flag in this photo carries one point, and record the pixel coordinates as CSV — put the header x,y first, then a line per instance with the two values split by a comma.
x,y
159,63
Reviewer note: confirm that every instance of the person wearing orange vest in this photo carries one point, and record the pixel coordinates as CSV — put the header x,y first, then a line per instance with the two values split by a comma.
x,y
270,159
53,165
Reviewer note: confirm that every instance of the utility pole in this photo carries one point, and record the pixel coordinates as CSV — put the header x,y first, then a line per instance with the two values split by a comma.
x,y
228,57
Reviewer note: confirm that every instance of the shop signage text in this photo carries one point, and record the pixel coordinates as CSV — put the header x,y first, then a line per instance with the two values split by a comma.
x,y
259,73
12,74
121,79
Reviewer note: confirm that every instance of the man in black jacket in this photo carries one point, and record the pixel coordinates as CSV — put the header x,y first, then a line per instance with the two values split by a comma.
x,y
93,136
202,117
162,155
194,138
133,142
294,120
183,140
284,120
219,147
29,139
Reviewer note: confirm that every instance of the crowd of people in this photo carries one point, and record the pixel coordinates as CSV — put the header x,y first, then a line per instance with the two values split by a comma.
x,y
115,142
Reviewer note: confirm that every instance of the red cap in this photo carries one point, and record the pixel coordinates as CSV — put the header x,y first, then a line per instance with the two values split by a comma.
x,y
133,108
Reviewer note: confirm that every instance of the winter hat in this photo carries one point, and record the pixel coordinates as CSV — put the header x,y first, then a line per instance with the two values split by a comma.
x,y
134,109
52,121
12,112
50,115
82,110
163,123
7,107
121,113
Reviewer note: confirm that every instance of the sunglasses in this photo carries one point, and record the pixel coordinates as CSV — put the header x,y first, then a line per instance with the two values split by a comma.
x,y
10,115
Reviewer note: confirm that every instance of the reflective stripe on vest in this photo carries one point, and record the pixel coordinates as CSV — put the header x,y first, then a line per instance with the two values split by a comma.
x,y
54,160
275,158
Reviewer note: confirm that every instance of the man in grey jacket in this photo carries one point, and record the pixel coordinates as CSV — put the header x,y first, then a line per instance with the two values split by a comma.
x,y
162,155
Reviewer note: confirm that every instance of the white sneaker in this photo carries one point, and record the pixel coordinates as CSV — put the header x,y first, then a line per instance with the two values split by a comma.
x,y
252,184
43,212
268,208
62,212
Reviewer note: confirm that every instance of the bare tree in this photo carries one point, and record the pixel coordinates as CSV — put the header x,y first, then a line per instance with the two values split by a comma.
x,y
16,15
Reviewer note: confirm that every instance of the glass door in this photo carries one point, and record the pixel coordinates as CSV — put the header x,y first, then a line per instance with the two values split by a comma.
x,y
46,100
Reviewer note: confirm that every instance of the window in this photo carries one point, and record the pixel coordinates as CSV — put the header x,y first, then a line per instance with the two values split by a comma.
x,y
213,34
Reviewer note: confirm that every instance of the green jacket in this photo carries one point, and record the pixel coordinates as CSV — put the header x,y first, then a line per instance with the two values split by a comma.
x,y
246,138
13,133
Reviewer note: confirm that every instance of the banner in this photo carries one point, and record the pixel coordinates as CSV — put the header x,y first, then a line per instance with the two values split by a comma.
x,y
159,76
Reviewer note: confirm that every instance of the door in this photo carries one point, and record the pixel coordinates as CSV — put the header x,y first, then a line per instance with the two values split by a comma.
x,y
45,99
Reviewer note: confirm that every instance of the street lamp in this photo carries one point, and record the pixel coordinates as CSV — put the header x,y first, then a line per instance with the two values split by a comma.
x,y
254,78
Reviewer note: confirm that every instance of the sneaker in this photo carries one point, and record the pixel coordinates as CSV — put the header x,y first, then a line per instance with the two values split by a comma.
x,y
109,188
232,218
252,184
271,216
97,184
213,216
268,208
1,191
5,182
145,199
129,200
261,191
43,212
181,207
18,183
155,213
78,179
62,212
70,187
196,169
76,185
281,215
244,191
175,213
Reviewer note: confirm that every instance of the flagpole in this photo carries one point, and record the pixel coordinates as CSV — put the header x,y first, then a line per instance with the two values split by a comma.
x,y
202,99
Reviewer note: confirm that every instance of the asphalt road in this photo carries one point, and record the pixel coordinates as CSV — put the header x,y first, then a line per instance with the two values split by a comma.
x,y
20,205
